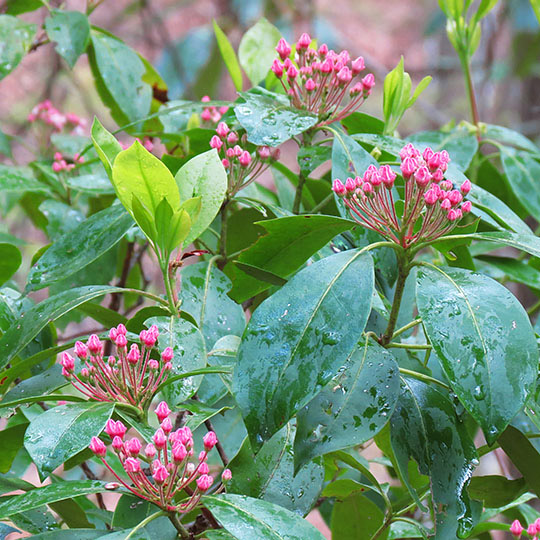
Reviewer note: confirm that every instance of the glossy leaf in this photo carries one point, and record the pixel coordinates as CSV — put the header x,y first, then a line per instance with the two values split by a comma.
x,y
203,176
356,518
106,145
121,72
297,339
269,119
63,431
35,319
16,37
10,260
187,343
510,137
270,474
12,442
229,56
484,340
424,427
257,50
49,494
247,518
36,386
289,244
352,408
19,179
71,31
516,270
204,296
495,491
80,246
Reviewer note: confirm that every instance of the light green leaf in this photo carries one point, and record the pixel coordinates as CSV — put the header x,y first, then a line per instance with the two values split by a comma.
x,y
229,56
15,40
106,145
71,31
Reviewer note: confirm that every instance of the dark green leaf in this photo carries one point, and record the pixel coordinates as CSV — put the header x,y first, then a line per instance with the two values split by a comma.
x,y
71,31
38,385
352,408
66,534
424,427
187,343
71,514
484,340
10,260
80,246
63,431
12,441
296,340
510,137
289,243
357,518
269,119
260,274
516,270
16,37
248,518
49,494
495,491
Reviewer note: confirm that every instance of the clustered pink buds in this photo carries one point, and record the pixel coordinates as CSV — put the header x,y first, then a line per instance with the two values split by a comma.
x,y
50,115
432,205
60,163
319,80
132,377
242,166
169,468
212,115
516,529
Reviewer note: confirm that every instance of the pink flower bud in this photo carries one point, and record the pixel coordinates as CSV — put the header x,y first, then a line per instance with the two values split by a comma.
x,y
98,447
120,341
167,355
67,362
184,435
427,153
531,530
338,188
356,89
85,373
304,42
422,176
344,75
210,440
466,207
113,428
292,72
323,50
409,151
537,524
57,166
368,82
237,150
283,49
160,474
162,411
204,482
153,364
133,446
94,344
150,451
357,65
168,366
203,468
446,204
179,452
232,137
166,425
376,180
80,349
367,188
58,156
134,355
230,152
117,443
437,176
435,160
206,115
516,529
113,332
350,185
466,187
408,167
264,152
222,129
226,475
277,68
160,439
132,465
455,197
121,329
452,215
388,175
310,85
245,158
216,142
226,163
431,197
446,185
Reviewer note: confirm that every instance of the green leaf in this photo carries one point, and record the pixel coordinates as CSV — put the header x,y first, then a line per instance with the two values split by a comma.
x,y
229,56
523,173
204,296
247,518
12,441
257,50
523,454
269,119
203,176
106,145
352,408
510,137
63,431
121,72
296,340
357,518
35,319
93,184
16,7
495,491
38,385
484,340
16,37
80,246
516,270
424,427
19,179
137,172
260,274
10,260
49,494
288,245
71,31
270,474
187,343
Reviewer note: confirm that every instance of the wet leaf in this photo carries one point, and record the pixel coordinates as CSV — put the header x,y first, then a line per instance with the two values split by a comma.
x,y
16,37
229,56
269,119
495,491
424,427
297,339
63,431
510,137
10,260
352,408
106,145
484,340
71,31
19,179
247,518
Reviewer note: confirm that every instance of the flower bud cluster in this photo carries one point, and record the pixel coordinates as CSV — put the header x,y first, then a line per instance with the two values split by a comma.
x,y
167,460
61,163
533,530
242,166
432,205
321,80
131,377
212,115
50,115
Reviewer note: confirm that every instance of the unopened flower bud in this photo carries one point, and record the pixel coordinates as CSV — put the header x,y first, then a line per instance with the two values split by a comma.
x,y
162,411
310,85
368,82
226,475
67,362
357,65
133,446
98,447
292,72
120,341
160,439
132,465
216,142
446,204
388,176
344,75
466,187
264,152
350,185
338,188
203,468
150,451
452,215
283,49
244,158
153,364
516,529
455,197
117,443
204,482
232,137
408,167
210,440
134,354
80,350
323,50
166,425
160,474
94,344
422,176
277,68
304,42
466,207
430,197
179,452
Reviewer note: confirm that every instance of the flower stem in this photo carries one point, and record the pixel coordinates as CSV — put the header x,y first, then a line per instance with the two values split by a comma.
x,y
307,138
182,531
145,522
471,93
223,237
